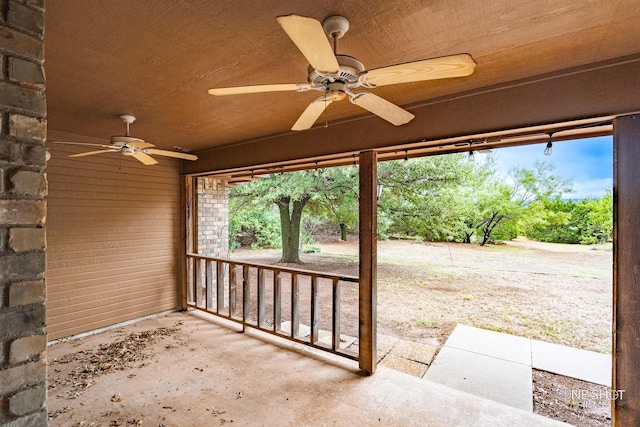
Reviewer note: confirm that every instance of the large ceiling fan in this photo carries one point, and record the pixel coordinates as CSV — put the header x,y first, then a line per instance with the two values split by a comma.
x,y
337,76
130,146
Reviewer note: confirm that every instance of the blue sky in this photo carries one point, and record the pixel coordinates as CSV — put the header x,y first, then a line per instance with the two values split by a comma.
x,y
588,163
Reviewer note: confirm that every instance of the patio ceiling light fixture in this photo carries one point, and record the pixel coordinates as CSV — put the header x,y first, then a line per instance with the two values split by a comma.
x,y
549,147
379,189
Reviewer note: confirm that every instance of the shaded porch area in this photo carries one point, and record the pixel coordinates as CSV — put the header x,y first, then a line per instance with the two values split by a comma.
x,y
198,371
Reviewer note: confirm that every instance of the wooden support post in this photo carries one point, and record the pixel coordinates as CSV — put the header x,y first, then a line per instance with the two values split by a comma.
x,y
626,271
368,356
188,266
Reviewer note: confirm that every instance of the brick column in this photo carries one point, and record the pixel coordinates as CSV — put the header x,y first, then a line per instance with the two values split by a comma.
x,y
23,209
213,217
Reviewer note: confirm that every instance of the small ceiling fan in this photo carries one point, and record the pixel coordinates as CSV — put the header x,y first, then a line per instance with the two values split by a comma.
x,y
130,146
339,75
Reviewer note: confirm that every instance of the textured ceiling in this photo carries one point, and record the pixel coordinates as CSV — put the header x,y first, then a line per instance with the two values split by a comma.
x,y
156,59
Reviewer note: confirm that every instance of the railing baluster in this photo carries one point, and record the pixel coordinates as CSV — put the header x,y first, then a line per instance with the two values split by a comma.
x,y
295,312
198,283
220,286
246,300
232,289
260,297
208,279
335,327
192,280
315,310
277,301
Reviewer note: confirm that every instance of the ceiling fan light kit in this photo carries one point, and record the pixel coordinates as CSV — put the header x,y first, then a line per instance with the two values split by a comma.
x,y
128,145
338,76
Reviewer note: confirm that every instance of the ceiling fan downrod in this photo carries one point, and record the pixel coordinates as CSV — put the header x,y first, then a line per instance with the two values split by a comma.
x,y
128,119
335,27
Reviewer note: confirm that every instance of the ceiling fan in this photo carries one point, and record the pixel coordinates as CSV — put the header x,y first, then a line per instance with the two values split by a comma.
x,y
337,76
130,146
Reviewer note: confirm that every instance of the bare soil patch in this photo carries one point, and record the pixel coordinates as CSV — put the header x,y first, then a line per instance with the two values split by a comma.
x,y
555,293
571,401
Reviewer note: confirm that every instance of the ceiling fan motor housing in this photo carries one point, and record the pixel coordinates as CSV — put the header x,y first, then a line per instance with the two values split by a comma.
x,y
350,69
124,140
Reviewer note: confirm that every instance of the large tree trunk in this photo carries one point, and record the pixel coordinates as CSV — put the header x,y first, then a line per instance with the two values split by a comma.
x,y
290,219
343,232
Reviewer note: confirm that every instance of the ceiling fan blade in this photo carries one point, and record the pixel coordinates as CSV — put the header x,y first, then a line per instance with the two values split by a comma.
x,y
91,153
382,108
145,158
429,69
175,154
309,37
88,144
240,90
311,114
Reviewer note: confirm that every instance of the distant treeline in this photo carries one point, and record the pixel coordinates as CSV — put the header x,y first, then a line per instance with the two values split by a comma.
x,y
433,198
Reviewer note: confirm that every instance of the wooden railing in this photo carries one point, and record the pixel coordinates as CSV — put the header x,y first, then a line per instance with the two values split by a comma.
x,y
295,304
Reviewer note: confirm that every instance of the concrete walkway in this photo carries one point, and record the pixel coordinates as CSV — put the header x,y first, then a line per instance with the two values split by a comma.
x,y
499,366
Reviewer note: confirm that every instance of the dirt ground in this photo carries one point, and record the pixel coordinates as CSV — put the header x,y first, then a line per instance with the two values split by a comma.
x,y
550,292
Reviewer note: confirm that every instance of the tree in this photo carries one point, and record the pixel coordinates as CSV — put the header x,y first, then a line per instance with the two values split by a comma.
x,y
601,218
339,199
493,206
476,199
419,197
537,184
290,194
586,221
333,191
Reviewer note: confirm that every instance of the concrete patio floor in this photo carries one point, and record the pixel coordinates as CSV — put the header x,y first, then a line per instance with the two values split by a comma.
x,y
208,374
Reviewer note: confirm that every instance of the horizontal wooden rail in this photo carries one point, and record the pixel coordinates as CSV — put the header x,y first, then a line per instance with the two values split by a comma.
x,y
241,292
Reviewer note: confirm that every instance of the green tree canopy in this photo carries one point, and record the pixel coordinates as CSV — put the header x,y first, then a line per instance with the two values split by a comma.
x,y
430,198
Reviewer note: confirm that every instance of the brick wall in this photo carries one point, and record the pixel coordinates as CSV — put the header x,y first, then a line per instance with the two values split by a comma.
x,y
23,188
213,217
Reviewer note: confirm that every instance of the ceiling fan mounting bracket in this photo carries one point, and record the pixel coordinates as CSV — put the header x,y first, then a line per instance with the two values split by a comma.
x,y
128,119
335,26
